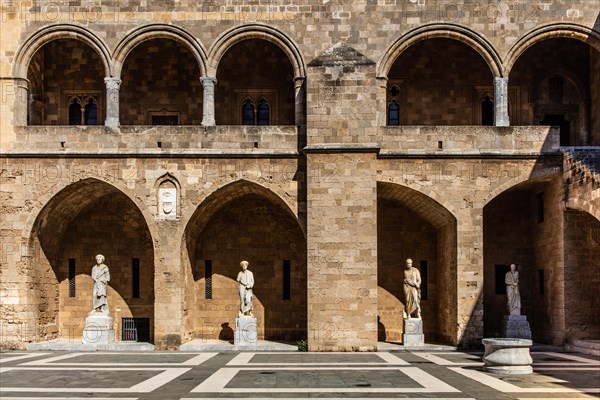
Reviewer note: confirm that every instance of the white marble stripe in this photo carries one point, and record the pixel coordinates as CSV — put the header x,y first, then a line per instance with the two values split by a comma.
x,y
217,381
338,398
220,379
68,398
442,361
427,380
586,368
199,359
241,359
46,361
159,380
572,357
392,359
506,387
146,386
8,357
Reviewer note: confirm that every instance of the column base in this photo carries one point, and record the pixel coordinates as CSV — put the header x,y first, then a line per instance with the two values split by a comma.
x,y
413,332
516,326
98,329
245,331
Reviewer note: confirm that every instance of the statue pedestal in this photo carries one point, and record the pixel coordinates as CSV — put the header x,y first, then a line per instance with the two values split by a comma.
x,y
245,331
516,326
98,329
413,332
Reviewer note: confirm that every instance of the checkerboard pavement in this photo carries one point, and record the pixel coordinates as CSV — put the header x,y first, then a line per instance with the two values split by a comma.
x,y
289,375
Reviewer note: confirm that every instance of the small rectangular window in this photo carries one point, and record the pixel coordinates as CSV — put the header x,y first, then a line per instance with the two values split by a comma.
x,y
501,270
287,279
540,207
71,277
208,279
135,278
541,281
165,120
423,270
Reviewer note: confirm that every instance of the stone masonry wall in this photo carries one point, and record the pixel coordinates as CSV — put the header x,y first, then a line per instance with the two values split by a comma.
x,y
508,221
254,229
403,235
253,69
160,76
548,314
582,276
440,78
68,67
342,256
115,228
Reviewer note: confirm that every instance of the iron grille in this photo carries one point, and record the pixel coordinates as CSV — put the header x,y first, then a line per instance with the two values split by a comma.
x,y
135,330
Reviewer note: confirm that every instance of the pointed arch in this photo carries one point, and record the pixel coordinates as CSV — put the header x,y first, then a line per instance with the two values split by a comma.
x,y
256,31
449,31
59,31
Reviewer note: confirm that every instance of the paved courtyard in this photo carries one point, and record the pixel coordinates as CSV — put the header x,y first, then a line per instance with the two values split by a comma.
x,y
187,375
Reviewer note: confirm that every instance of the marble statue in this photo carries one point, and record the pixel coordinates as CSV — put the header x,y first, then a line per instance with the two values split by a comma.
x,y
512,291
412,291
246,280
101,277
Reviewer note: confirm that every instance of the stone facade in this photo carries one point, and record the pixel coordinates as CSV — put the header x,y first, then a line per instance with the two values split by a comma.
x,y
329,199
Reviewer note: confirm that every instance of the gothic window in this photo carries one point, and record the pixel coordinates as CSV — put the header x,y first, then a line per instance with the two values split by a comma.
x,y
75,112
82,108
91,113
248,112
394,93
393,114
263,113
487,111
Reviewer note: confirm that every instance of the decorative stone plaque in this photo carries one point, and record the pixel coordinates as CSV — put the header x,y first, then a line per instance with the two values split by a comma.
x,y
167,202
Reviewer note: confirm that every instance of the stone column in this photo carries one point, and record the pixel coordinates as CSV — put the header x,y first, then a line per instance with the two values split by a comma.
x,y
469,295
208,101
501,101
342,270
300,95
382,117
112,101
15,99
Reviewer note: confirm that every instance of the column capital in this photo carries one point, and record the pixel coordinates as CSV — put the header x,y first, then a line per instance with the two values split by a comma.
x,y
112,83
299,81
208,80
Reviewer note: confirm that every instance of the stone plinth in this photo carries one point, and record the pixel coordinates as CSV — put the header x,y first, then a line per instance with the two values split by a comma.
x,y
413,332
516,326
245,331
507,356
98,329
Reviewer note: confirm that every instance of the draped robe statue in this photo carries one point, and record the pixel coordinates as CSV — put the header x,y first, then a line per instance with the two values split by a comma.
x,y
101,277
246,279
412,291
511,280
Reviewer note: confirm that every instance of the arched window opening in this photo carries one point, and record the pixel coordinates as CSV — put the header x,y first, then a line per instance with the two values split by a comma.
x,y
248,112
75,113
487,111
393,103
91,113
393,114
264,113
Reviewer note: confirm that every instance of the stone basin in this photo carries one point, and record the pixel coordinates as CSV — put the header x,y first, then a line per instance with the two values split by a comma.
x,y
507,356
